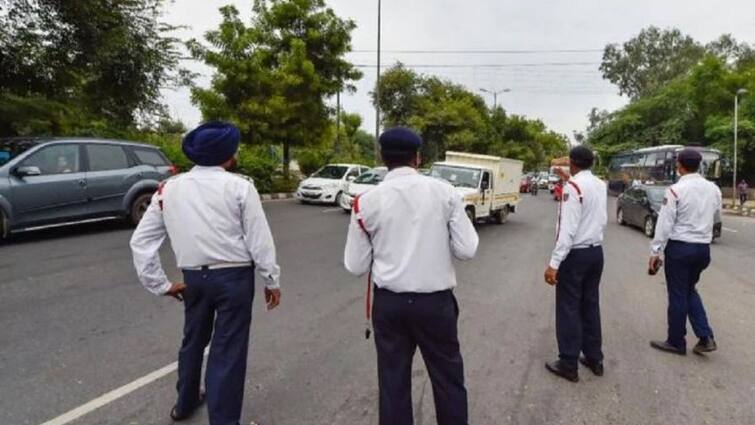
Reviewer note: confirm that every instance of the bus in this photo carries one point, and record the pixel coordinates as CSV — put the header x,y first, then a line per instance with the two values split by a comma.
x,y
656,165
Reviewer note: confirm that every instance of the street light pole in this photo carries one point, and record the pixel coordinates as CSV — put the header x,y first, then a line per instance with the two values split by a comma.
x,y
736,123
377,88
495,95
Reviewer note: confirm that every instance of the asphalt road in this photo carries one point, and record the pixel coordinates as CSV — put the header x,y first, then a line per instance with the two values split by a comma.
x,y
76,324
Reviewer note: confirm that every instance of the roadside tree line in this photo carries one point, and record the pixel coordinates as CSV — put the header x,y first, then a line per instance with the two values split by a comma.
x,y
681,92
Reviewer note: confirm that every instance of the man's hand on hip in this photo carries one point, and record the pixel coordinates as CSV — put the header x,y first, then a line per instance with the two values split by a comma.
x,y
176,291
272,298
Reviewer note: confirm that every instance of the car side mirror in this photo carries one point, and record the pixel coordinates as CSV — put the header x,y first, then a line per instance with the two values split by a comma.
x,y
350,178
645,200
27,171
485,185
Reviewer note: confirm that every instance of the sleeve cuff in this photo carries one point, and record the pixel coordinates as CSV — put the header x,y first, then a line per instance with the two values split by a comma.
x,y
164,288
554,264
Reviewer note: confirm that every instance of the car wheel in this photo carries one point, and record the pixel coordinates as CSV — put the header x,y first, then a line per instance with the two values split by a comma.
x,y
649,227
620,217
4,233
337,201
139,207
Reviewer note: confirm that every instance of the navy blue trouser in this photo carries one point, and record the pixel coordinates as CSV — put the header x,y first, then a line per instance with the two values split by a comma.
x,y
684,264
403,322
221,299
578,306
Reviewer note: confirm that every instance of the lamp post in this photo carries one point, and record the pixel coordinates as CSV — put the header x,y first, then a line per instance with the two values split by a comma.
x,y
377,88
495,95
736,122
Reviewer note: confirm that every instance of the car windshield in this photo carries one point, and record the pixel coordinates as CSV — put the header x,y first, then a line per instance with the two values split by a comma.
x,y
656,194
10,149
371,177
457,176
335,172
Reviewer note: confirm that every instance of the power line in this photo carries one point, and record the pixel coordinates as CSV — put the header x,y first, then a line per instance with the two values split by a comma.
x,y
479,52
484,65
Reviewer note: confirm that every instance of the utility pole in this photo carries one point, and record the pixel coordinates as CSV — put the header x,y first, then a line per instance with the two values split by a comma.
x,y
338,121
495,94
736,123
377,88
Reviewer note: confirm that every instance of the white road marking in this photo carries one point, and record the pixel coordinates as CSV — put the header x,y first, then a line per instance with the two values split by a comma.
x,y
330,210
730,230
117,393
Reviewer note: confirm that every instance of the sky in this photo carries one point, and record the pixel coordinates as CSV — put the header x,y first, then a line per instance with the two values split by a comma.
x,y
525,43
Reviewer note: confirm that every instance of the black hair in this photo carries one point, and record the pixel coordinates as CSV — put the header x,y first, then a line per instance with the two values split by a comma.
x,y
581,157
691,166
395,159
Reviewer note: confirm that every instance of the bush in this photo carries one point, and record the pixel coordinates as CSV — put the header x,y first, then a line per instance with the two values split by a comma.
x,y
257,163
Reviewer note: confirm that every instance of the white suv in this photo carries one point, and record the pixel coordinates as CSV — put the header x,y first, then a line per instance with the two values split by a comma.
x,y
327,185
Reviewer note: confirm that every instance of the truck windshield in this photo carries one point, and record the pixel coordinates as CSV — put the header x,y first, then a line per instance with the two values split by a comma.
x,y
457,176
10,149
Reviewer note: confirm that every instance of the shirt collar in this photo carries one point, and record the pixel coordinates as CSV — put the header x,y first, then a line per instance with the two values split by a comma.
x,y
583,173
400,172
689,176
202,168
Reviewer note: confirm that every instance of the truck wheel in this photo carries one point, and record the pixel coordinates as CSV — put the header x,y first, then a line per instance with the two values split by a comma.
x,y
501,216
471,215
139,207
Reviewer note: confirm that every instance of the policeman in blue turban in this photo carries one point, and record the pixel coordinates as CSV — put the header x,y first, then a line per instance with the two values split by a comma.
x,y
220,235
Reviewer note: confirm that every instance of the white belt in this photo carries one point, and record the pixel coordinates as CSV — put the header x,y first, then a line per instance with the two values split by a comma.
x,y
219,266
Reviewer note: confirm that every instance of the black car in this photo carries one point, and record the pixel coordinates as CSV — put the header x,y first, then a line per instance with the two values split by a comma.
x,y
639,206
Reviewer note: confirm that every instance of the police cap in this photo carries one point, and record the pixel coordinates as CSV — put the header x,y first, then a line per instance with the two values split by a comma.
x,y
400,139
581,157
690,159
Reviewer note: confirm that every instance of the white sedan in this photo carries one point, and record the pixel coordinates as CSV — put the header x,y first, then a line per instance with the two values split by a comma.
x,y
362,184
329,183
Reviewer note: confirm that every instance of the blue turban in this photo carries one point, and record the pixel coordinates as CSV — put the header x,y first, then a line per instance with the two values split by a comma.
x,y
400,139
212,143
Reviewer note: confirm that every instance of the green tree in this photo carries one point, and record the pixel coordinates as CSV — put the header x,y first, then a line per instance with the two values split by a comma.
x,y
93,64
645,63
272,76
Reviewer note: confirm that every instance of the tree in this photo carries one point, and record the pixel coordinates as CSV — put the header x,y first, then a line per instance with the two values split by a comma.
x,y
273,75
450,117
93,63
648,61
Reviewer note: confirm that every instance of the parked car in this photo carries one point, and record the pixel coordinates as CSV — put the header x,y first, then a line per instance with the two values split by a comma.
x,y
360,185
639,206
46,182
542,180
328,184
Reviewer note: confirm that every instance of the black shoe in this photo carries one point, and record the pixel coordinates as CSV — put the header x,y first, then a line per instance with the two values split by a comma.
x,y
706,345
558,369
595,367
177,417
665,346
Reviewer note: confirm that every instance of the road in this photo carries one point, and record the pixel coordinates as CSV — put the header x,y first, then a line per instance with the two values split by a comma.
x,y
75,324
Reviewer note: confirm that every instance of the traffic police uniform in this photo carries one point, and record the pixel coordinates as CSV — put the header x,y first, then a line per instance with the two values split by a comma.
x,y
218,232
578,257
685,229
407,231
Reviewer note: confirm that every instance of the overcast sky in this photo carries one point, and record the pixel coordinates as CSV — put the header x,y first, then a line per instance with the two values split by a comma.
x,y
558,87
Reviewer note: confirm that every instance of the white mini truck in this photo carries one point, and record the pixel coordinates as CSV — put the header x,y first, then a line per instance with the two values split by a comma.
x,y
489,184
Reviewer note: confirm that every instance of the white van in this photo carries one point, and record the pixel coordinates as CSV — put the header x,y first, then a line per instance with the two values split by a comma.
x,y
489,184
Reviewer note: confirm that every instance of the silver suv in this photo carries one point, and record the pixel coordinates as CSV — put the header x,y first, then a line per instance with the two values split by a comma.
x,y
52,182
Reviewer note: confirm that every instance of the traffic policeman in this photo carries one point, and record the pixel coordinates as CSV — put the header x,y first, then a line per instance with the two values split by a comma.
x,y
576,266
685,229
219,233
406,232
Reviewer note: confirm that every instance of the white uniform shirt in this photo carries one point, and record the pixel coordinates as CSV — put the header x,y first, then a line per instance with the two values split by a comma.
x,y
582,216
417,225
688,212
212,217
